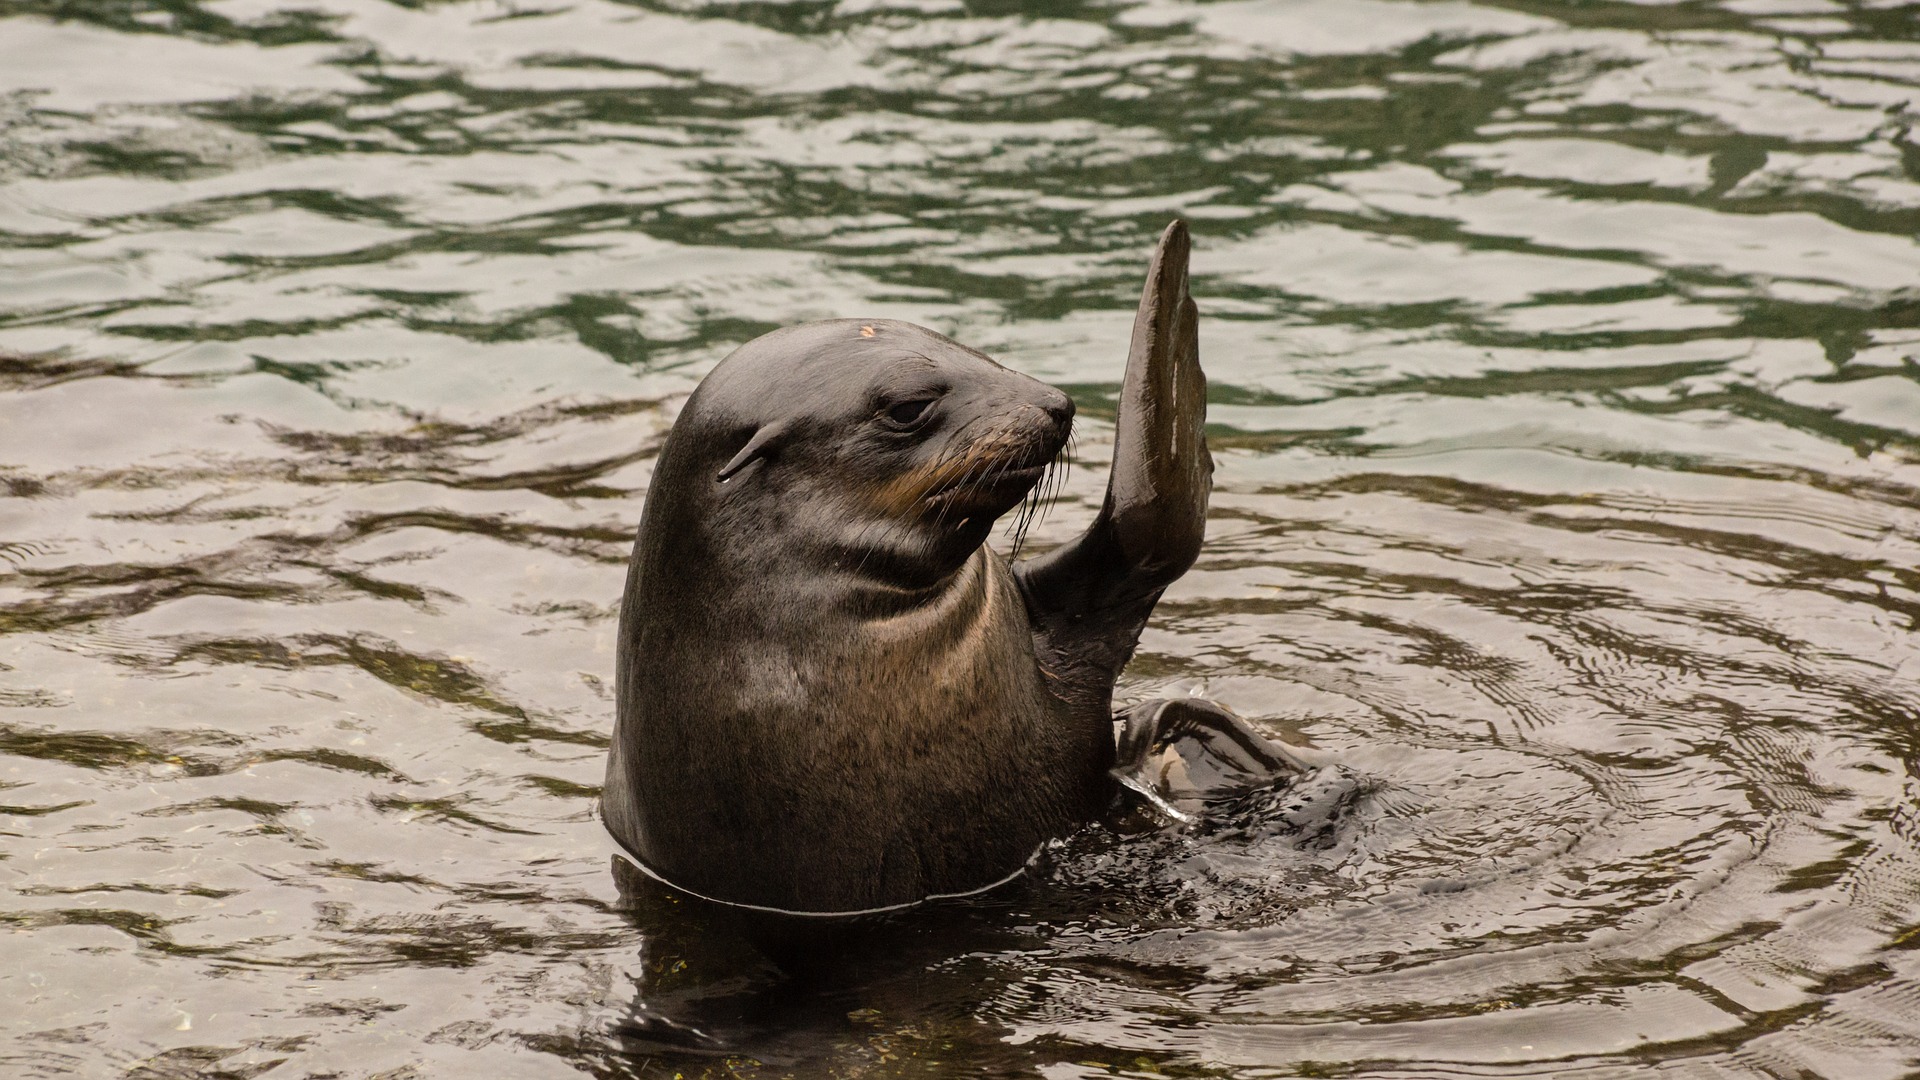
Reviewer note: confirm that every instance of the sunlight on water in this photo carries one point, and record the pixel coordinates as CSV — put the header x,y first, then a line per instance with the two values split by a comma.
x,y
1565,368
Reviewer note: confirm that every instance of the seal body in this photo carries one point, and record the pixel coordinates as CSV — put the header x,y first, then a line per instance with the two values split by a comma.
x,y
832,696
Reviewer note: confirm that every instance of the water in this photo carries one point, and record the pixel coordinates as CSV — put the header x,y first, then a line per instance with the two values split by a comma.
x,y
1565,369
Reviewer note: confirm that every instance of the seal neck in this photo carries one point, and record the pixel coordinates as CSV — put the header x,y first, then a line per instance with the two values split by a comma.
x,y
883,592
897,563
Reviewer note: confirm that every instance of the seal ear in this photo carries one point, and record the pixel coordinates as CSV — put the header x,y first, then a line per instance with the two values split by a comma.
x,y
759,446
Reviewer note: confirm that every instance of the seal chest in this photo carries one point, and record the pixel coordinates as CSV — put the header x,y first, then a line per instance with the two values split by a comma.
x,y
832,696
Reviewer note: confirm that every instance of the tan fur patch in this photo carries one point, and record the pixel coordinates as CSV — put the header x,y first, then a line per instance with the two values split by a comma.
x,y
904,492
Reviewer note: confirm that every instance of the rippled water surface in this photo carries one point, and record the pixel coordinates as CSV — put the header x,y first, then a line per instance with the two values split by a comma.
x,y
1565,369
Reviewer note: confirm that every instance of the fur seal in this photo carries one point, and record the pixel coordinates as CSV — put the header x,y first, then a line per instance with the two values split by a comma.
x,y
832,697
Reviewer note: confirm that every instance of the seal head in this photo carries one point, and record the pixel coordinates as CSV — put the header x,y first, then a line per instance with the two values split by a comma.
x,y
829,696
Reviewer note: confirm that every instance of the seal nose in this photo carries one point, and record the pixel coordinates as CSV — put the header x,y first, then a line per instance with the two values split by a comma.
x,y
1059,406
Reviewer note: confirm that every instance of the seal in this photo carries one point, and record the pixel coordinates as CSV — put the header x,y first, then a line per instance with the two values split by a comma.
x,y
833,698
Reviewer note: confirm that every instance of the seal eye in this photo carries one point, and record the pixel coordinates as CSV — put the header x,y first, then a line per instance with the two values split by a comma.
x,y
908,413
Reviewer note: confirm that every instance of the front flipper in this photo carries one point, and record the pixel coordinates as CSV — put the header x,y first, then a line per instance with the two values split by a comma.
x,y
1090,599
1188,762
1182,753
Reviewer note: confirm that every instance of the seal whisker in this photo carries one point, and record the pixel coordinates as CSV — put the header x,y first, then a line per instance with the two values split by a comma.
x,y
900,499
1033,509
940,519
975,464
1057,472
1029,505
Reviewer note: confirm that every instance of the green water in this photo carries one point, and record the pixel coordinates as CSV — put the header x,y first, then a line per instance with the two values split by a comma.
x,y
1565,368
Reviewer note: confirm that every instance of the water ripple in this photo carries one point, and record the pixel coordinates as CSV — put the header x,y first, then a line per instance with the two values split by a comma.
x,y
1565,365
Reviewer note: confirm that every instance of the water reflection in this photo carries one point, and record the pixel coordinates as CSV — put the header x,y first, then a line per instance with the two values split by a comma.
x,y
1568,422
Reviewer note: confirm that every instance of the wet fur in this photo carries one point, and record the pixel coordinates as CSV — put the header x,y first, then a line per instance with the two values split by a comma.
x,y
832,695
805,725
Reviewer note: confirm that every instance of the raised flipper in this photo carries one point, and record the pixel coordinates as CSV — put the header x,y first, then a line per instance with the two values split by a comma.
x,y
1090,599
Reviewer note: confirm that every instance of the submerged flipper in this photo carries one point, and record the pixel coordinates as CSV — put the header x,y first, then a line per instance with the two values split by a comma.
x,y
1090,599
1181,753
1191,747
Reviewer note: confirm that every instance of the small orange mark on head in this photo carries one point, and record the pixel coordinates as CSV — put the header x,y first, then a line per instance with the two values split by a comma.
x,y
866,331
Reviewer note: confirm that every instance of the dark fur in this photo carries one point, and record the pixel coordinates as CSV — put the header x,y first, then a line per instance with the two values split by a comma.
x,y
832,695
